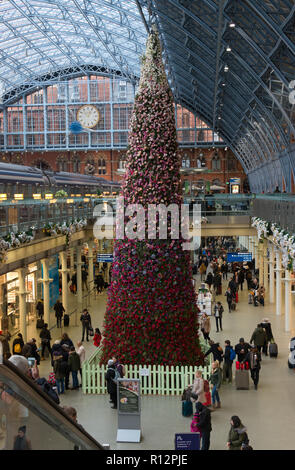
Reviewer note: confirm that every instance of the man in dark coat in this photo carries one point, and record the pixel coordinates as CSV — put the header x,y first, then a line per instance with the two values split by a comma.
x,y
86,323
216,350
45,340
204,424
241,278
59,311
242,349
111,384
40,308
258,337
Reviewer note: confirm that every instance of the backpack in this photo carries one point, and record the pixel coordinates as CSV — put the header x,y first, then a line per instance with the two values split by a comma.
x,y
232,354
246,440
117,376
206,386
17,348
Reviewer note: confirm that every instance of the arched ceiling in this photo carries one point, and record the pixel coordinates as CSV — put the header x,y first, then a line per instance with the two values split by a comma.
x,y
229,61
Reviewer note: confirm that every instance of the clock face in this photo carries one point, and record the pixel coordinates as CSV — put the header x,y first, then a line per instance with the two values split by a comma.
x,y
88,116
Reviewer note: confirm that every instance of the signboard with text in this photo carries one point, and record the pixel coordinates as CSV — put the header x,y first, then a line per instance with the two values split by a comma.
x,y
239,257
105,258
187,441
129,410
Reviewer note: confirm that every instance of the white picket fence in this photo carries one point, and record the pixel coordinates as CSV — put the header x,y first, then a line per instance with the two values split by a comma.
x,y
161,380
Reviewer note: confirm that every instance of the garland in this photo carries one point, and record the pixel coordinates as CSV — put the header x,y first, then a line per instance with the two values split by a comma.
x,y
15,240
281,237
66,228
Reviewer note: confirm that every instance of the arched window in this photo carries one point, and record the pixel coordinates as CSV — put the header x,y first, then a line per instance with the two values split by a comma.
x,y
42,164
102,166
62,163
76,164
231,163
186,162
216,164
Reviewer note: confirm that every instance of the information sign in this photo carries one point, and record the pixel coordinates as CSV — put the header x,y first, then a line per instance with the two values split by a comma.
x,y
187,441
239,257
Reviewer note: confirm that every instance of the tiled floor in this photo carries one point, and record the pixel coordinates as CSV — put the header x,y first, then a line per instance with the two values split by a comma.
x,y
268,413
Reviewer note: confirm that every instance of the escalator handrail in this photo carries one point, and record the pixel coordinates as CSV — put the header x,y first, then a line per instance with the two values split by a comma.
x,y
53,414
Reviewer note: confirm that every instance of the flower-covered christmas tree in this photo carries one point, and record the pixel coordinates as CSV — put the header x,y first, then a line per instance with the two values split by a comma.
x,y
151,315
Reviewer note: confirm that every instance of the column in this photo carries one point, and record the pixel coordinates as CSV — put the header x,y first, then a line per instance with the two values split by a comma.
x,y
255,245
260,263
288,299
64,279
79,277
72,262
278,282
265,266
90,265
46,297
22,302
271,273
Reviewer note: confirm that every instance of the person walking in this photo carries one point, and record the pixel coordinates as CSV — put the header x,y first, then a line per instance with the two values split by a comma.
x,y
97,337
84,275
111,384
40,308
218,311
215,380
228,356
242,349
204,424
86,323
82,354
254,359
269,336
229,298
233,286
216,350
18,345
45,340
203,270
59,311
205,326
241,278
59,372
249,279
224,270
74,367
217,282
237,434
258,337
209,280
21,442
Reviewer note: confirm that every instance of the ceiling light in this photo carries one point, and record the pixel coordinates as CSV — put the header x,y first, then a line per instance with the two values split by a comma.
x,y
219,117
228,49
223,84
232,24
226,68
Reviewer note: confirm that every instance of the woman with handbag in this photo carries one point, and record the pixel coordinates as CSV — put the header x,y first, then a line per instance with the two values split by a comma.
x,y
198,394
215,380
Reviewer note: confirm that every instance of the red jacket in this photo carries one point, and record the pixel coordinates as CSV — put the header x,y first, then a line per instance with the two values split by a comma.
x,y
96,339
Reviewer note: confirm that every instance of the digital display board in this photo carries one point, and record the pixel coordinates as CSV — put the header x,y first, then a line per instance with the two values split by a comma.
x,y
239,257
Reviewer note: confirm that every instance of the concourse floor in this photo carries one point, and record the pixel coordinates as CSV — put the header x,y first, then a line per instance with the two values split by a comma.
x,y
268,413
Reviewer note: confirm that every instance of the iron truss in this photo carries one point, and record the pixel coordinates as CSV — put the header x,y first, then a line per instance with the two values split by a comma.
x,y
230,62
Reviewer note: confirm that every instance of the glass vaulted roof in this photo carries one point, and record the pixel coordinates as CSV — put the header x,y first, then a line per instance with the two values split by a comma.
x,y
231,62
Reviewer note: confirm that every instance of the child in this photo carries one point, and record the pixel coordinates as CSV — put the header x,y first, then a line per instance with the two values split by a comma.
x,y
97,337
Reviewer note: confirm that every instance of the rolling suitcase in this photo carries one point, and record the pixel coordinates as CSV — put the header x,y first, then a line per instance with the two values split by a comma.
x,y
187,408
242,379
40,323
273,349
233,305
66,320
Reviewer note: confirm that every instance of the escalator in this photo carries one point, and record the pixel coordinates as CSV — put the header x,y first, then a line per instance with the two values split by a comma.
x,y
29,419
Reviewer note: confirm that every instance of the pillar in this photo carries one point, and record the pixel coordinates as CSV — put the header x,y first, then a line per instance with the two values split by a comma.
x,y
271,274
64,279
90,265
265,266
278,282
46,298
22,302
72,262
79,277
260,263
288,299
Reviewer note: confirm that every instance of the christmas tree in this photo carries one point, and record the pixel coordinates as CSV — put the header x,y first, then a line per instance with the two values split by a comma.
x,y
151,315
